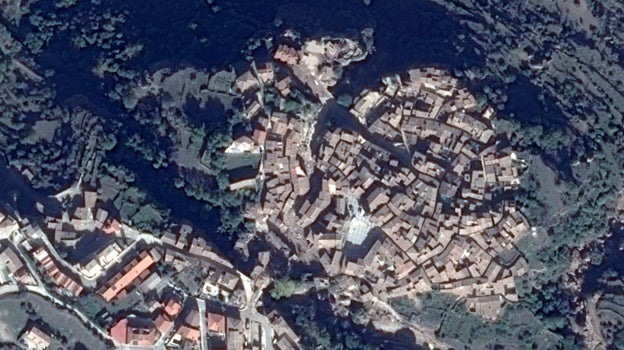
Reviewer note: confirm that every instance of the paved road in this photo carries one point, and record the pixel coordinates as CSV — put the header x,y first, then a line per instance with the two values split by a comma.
x,y
72,191
8,289
267,331
201,306
248,287
41,236
29,264
249,312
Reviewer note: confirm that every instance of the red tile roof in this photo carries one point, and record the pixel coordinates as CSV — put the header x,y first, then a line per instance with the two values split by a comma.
x,y
216,323
119,331
127,278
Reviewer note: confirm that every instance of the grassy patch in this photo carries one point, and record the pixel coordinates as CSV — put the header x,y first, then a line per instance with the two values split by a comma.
x,y
16,310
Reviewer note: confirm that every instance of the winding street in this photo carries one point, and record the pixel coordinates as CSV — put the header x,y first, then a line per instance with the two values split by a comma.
x,y
39,235
248,312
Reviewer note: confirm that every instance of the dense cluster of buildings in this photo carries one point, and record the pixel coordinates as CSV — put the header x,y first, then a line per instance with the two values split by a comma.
x,y
412,204
220,280
179,323
314,64
12,268
428,177
285,337
176,324
136,271
59,276
124,266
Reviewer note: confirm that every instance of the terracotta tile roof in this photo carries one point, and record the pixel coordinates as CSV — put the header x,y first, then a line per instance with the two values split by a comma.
x,y
172,308
216,323
129,277
119,331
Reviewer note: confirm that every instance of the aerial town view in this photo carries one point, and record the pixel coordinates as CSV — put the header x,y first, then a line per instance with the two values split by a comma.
x,y
280,175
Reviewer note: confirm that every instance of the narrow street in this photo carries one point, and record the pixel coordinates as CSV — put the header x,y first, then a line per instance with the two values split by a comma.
x,y
201,306
266,334
250,313
39,235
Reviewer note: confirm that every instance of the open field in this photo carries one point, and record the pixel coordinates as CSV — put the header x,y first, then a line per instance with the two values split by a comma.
x,y
16,310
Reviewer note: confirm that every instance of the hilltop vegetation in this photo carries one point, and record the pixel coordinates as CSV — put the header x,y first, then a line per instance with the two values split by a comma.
x,y
554,71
